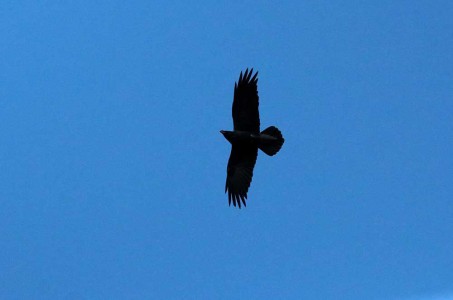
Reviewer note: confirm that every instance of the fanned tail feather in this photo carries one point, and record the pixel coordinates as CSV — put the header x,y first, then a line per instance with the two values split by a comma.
x,y
272,146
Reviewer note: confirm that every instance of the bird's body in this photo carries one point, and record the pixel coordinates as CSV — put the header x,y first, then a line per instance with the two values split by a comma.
x,y
235,137
246,138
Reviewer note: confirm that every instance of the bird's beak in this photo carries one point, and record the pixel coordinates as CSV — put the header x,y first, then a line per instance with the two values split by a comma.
x,y
222,132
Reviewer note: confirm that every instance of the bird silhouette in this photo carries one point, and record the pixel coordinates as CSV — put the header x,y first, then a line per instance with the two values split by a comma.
x,y
246,138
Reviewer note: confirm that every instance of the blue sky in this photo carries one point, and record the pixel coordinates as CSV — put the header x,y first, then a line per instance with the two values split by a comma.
x,y
113,167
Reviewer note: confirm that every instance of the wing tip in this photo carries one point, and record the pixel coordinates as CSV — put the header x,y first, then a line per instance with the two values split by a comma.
x,y
246,77
237,198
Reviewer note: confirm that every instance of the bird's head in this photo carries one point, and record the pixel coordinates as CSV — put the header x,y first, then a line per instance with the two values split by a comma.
x,y
226,134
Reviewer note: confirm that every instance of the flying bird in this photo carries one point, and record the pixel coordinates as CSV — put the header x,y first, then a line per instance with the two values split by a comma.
x,y
246,138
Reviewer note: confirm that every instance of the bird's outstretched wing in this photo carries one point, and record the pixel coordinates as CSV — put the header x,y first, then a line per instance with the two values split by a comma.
x,y
246,116
240,172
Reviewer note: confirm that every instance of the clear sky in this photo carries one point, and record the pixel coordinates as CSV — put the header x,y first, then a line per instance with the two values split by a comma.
x,y
113,168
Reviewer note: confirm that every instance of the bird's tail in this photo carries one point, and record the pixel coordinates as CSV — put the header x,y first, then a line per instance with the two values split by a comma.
x,y
271,140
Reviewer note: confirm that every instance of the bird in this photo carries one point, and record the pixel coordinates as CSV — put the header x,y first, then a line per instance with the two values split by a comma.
x,y
246,138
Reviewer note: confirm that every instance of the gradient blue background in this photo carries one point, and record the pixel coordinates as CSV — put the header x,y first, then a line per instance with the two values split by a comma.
x,y
113,167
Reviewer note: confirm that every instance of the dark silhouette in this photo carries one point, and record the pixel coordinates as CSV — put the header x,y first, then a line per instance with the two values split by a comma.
x,y
246,138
